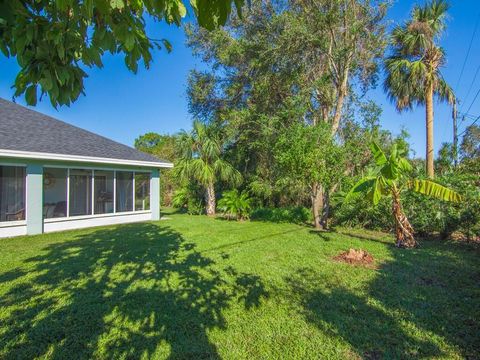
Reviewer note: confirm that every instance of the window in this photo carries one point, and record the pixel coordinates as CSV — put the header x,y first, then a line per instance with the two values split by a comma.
x,y
124,195
80,192
76,192
142,191
103,188
12,193
54,193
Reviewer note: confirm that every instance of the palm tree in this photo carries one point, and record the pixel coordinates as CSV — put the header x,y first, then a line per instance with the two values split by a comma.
x,y
413,69
390,177
201,159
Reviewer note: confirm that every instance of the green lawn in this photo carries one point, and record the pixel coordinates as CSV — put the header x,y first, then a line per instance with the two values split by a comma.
x,y
193,287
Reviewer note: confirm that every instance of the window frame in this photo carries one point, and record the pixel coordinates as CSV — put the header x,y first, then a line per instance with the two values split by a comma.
x,y
93,215
67,189
114,186
135,192
14,223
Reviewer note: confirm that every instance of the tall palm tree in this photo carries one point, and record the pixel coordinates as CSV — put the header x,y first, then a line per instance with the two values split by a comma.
x,y
413,69
201,159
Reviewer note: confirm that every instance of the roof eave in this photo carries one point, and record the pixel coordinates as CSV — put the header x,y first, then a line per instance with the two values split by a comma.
x,y
79,158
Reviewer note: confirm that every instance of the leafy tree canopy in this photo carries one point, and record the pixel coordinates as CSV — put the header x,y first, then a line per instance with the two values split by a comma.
x,y
54,41
159,145
307,154
470,147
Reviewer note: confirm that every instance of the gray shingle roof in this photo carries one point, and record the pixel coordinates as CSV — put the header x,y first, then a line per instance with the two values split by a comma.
x,y
22,129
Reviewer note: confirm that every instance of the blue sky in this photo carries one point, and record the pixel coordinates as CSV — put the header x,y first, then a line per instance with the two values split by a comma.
x,y
122,105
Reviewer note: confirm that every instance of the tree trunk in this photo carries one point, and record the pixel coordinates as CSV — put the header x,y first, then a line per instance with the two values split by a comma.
x,y
342,93
403,229
325,209
429,120
317,205
210,197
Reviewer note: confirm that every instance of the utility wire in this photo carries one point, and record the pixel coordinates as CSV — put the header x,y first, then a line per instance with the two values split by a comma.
x,y
471,116
468,51
475,98
470,87
473,123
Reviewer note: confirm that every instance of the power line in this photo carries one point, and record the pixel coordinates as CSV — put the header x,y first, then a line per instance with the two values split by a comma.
x,y
468,51
470,87
475,98
464,115
473,123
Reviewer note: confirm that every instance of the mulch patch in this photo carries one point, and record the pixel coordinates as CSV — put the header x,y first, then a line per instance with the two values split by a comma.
x,y
356,257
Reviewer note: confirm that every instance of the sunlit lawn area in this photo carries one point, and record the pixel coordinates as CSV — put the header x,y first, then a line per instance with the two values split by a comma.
x,y
194,287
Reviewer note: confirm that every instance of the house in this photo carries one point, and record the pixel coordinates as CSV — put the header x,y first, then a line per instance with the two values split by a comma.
x,y
55,176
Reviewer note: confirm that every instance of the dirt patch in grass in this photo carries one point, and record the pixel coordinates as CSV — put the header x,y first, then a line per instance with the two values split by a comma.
x,y
356,257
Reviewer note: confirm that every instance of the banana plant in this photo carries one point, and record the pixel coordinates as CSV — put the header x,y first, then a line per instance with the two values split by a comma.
x,y
392,175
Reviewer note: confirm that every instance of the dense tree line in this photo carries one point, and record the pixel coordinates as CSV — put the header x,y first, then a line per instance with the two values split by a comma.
x,y
285,102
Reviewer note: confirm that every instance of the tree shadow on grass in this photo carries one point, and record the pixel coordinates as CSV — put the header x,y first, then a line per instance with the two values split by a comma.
x,y
133,291
255,239
419,304
329,235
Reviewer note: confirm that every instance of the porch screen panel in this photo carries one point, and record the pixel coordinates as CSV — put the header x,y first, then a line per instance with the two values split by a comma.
x,y
12,193
54,193
124,191
80,202
142,191
103,188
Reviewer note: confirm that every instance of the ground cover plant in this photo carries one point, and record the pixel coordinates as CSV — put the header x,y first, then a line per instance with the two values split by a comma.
x,y
200,287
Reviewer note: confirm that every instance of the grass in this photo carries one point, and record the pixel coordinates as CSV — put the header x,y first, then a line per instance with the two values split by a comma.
x,y
194,287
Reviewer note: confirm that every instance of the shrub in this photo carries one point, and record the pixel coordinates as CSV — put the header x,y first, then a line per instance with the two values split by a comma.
x,y
189,200
359,212
427,216
180,198
235,204
195,206
297,214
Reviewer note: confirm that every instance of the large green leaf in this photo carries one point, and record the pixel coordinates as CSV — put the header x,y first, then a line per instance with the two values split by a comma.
x,y
363,185
31,95
404,165
378,154
430,188
377,191
390,171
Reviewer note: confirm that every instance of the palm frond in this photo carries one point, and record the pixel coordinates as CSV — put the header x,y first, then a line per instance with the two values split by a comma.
x,y
202,171
182,170
227,172
444,91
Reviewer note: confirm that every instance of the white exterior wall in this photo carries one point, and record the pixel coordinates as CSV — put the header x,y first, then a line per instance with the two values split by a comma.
x,y
13,228
78,222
